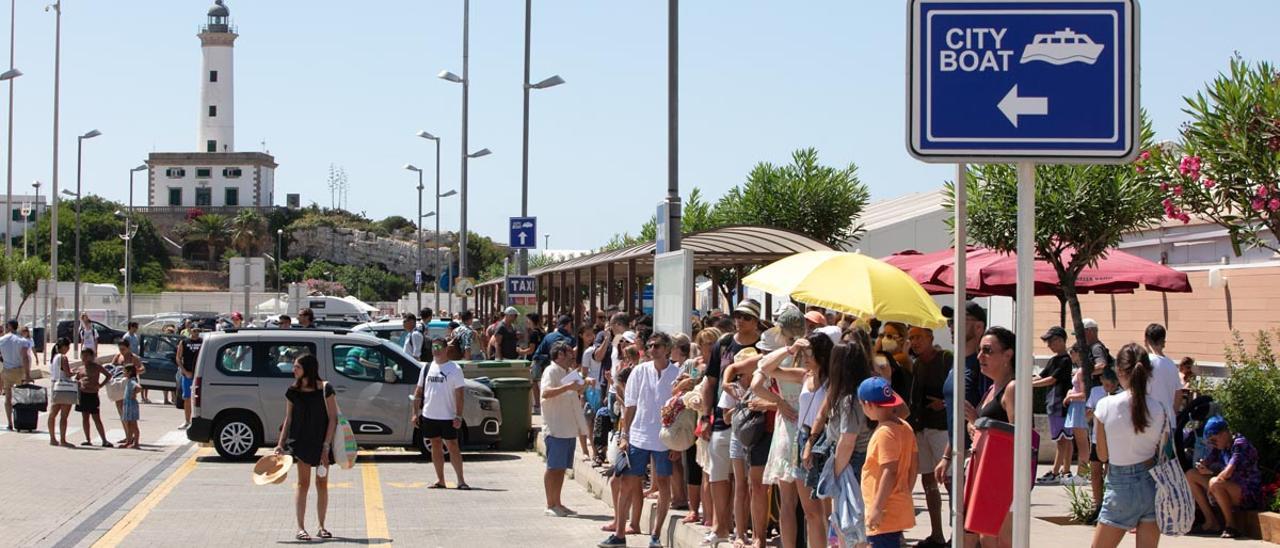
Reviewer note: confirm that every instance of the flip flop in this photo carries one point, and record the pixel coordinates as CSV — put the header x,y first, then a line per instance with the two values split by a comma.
x,y
464,487
324,533
302,535
437,485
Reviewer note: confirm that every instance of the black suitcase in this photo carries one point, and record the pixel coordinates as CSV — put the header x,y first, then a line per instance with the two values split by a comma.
x,y
25,419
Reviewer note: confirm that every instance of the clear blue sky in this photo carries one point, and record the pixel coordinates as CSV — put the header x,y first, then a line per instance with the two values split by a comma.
x,y
350,82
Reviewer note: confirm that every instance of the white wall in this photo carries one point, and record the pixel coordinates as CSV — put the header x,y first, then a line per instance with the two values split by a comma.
x,y
222,94
217,184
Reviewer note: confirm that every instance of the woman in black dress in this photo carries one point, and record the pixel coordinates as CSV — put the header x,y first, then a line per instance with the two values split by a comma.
x,y
310,418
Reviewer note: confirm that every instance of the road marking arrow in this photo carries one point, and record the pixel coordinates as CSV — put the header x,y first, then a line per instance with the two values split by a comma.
x,y
1013,106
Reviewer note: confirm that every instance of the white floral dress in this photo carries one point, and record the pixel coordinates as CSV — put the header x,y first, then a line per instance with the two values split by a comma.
x,y
784,455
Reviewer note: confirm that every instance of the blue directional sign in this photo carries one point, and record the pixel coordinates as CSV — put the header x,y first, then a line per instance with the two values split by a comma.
x,y
1023,80
524,233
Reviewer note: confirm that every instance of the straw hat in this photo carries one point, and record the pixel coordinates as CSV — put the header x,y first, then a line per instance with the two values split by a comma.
x,y
272,469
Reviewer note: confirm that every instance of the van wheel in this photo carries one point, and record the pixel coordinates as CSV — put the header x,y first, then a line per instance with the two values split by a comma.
x,y
236,437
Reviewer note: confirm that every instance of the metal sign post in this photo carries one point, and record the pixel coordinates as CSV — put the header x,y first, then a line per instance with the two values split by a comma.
x,y
1025,82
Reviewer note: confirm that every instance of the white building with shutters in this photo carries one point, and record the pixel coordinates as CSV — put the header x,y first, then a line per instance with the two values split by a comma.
x,y
215,175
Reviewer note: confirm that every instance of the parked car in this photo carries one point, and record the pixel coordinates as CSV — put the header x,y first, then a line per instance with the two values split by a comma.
x,y
393,329
102,333
242,376
159,356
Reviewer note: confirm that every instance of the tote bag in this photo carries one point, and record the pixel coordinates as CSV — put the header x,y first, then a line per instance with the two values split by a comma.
x,y
1175,509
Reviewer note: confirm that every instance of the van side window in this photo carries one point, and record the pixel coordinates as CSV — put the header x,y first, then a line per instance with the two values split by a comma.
x,y
236,359
372,364
277,358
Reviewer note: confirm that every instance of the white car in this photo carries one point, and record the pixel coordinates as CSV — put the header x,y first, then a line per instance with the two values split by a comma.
x,y
242,375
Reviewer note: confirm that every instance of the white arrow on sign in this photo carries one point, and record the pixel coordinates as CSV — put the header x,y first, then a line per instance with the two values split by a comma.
x,y
522,235
1013,106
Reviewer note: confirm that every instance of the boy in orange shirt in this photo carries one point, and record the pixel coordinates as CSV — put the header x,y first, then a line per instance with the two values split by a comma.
x,y
890,469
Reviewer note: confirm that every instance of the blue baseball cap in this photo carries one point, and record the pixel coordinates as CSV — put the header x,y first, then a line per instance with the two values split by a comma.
x,y
1214,425
876,391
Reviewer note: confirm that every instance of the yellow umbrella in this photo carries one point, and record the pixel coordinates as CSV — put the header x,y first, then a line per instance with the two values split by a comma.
x,y
852,283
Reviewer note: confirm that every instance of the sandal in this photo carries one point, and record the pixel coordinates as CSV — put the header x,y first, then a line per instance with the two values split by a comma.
x,y
693,517
464,487
302,535
107,444
324,533
1230,532
437,485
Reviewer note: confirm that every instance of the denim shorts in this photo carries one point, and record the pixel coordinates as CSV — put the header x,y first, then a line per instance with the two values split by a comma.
x,y
1076,417
640,458
560,453
1130,496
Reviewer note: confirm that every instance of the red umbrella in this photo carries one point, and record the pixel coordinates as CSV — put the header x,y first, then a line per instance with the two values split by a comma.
x,y
996,273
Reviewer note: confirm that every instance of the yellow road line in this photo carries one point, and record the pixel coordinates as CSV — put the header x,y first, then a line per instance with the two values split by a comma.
x,y
375,515
135,516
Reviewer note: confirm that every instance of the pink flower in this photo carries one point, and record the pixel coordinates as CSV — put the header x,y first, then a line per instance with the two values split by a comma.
x,y
1274,204
1184,218
1146,155
1210,183
1263,191
1190,166
1140,169
1167,203
1177,190
1257,204
1164,187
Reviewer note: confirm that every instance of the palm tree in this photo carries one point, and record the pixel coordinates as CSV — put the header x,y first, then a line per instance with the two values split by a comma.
x,y
212,229
246,227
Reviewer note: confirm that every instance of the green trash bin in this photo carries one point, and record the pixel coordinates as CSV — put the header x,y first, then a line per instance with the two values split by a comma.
x,y
513,394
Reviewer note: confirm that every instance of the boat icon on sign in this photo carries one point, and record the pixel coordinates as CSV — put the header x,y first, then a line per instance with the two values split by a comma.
x,y
1061,48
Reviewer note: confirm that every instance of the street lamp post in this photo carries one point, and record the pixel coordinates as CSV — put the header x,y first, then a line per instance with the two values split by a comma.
x,y
35,245
417,276
8,195
546,242
436,257
79,158
524,162
279,258
50,300
128,250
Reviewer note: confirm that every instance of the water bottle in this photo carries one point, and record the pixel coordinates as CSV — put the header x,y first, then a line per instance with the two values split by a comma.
x,y
322,472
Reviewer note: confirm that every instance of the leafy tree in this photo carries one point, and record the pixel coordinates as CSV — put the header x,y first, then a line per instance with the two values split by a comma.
x,y
28,274
1087,208
696,215
101,249
394,224
214,230
292,270
805,196
246,229
482,255
1227,167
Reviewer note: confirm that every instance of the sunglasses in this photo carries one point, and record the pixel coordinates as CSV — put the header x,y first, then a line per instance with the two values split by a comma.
x,y
655,345
437,347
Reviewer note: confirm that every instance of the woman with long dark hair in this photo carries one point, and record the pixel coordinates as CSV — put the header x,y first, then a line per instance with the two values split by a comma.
x,y
996,360
1129,426
847,420
310,418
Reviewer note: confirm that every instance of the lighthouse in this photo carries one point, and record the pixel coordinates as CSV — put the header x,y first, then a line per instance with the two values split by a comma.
x,y
214,177
217,82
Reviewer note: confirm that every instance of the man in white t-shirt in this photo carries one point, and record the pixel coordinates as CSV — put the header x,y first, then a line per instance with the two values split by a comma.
x,y
438,404
88,338
1166,383
648,388
17,364
560,410
412,340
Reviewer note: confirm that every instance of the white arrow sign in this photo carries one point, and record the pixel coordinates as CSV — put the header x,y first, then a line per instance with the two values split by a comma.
x,y
522,236
1013,106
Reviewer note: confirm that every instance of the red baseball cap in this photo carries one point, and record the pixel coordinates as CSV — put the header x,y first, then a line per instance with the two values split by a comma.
x,y
815,317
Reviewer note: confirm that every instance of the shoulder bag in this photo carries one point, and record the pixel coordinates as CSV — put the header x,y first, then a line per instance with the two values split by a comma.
x,y
344,441
1175,508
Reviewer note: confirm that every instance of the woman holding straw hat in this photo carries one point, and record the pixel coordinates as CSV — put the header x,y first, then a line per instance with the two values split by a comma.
x,y
310,418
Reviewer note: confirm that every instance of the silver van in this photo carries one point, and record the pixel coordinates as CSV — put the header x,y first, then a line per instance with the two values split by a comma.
x,y
238,400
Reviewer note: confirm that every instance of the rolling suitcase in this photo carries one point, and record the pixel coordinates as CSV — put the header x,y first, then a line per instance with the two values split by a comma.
x,y
25,419
30,396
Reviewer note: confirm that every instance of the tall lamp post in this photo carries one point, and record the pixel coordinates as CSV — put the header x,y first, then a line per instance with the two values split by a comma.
x,y
78,193
50,300
8,194
466,85
417,277
128,250
524,162
279,259
436,258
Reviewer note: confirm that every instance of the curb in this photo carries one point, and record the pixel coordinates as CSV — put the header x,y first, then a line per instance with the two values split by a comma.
x,y
674,533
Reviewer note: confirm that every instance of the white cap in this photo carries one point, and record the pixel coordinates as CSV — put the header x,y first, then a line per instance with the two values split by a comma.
x,y
1090,323
629,336
832,332
511,311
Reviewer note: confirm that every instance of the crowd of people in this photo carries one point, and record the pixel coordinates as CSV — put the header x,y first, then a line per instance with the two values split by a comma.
x,y
814,426
843,416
